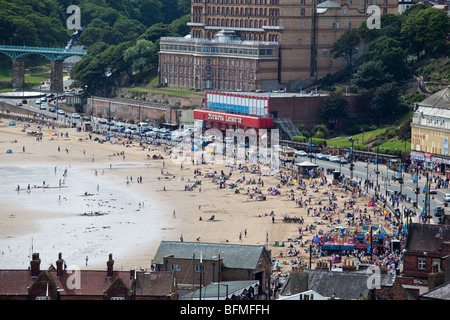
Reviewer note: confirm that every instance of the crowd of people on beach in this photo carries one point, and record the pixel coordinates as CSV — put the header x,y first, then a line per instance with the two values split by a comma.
x,y
320,204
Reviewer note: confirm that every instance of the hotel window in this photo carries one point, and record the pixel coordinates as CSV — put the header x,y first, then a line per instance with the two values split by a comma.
x,y
421,264
302,12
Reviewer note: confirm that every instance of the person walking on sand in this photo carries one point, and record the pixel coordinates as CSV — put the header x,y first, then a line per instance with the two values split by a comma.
x,y
173,214
86,260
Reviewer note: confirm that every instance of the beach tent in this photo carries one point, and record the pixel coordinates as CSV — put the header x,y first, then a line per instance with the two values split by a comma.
x,y
371,204
384,231
305,166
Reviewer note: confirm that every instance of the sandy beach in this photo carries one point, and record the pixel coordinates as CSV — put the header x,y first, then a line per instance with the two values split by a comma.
x,y
85,198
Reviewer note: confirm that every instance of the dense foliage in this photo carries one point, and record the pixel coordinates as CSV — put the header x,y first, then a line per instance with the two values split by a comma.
x,y
110,28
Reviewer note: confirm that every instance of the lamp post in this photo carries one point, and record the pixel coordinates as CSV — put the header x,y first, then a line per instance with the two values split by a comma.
x,y
219,271
377,172
417,191
351,158
367,174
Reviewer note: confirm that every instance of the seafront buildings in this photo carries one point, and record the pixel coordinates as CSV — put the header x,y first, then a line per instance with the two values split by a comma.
x,y
247,45
430,132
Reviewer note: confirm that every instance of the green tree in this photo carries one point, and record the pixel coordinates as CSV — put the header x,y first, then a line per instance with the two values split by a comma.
x,y
391,26
425,29
25,32
320,131
156,31
141,55
390,52
371,74
385,102
345,46
334,107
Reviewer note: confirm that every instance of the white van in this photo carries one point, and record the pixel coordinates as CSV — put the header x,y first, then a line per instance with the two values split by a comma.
x,y
143,126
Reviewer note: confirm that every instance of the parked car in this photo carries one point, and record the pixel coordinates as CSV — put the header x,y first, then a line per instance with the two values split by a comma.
x,y
61,112
334,159
300,153
52,109
42,107
75,116
433,191
447,197
343,160
438,211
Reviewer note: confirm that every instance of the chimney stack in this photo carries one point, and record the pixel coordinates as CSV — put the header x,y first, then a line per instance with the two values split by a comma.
x,y
35,265
59,265
110,265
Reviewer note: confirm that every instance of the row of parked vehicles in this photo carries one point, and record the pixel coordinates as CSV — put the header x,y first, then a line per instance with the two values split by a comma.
x,y
141,128
320,156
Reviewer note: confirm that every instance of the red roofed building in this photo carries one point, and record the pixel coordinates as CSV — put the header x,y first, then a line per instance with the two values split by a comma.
x,y
60,284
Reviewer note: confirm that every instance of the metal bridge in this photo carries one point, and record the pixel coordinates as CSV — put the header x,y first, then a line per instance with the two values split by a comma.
x,y
53,54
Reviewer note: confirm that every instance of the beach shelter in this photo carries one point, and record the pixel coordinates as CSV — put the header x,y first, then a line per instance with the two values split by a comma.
x,y
371,204
306,166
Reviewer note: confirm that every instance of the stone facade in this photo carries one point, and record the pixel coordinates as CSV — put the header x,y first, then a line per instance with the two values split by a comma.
x,y
124,109
56,77
303,32
18,73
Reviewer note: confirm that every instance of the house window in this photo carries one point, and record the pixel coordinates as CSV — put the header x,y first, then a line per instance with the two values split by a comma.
x,y
421,263
175,267
436,262
198,268
325,52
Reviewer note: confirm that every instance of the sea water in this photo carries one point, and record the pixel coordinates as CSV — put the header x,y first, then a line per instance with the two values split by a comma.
x,y
88,215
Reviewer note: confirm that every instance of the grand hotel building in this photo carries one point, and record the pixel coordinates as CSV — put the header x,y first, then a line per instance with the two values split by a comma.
x,y
260,44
